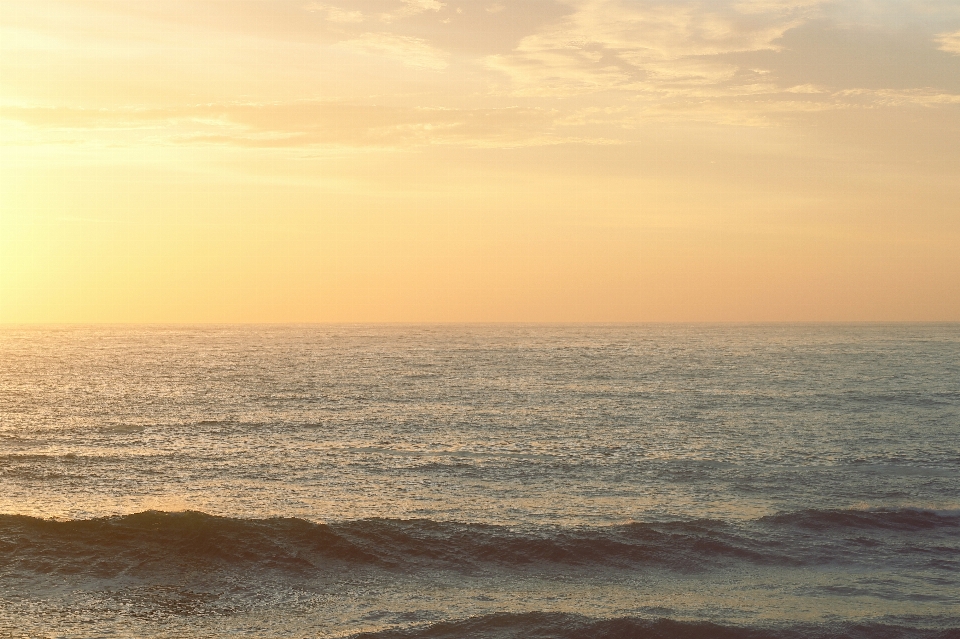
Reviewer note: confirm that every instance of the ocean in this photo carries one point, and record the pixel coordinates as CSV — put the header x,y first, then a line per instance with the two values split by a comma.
x,y
389,482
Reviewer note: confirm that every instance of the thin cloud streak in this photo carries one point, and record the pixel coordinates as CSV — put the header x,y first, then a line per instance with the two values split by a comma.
x,y
314,123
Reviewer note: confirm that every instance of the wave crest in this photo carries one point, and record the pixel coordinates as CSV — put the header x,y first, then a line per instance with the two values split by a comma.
x,y
154,540
571,626
902,519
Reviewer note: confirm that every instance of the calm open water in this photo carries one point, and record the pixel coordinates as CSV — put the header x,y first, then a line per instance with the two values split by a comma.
x,y
480,481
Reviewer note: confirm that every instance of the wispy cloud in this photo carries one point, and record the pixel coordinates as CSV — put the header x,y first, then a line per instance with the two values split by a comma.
x,y
950,42
613,44
742,61
314,123
335,14
406,50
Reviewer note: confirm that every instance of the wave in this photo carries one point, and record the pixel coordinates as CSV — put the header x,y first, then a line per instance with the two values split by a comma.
x,y
572,626
901,519
154,540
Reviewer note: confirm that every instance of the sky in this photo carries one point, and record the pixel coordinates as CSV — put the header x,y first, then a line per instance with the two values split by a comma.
x,y
479,161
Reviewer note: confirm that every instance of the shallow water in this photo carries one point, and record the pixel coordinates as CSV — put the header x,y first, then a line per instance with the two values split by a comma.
x,y
499,481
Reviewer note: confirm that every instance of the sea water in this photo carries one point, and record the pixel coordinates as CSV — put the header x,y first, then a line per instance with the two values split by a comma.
x,y
480,481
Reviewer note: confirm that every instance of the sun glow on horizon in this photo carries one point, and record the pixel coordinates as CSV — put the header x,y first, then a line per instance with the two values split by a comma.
x,y
532,160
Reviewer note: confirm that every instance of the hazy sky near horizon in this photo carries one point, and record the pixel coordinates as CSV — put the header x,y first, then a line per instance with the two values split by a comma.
x,y
479,160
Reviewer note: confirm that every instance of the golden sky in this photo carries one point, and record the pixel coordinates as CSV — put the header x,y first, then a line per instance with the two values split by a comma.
x,y
479,160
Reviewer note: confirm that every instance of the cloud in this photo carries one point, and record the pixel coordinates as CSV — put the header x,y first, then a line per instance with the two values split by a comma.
x,y
407,8
949,42
615,44
746,61
767,6
416,6
892,97
410,51
336,14
311,123
825,54
475,27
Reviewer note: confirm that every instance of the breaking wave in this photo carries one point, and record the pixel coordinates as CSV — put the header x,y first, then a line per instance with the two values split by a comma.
x,y
154,540
903,519
570,626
